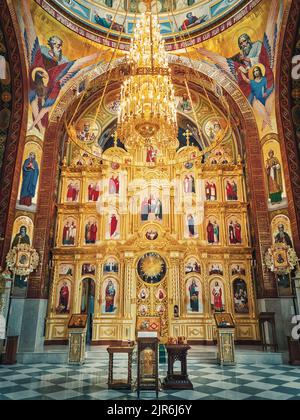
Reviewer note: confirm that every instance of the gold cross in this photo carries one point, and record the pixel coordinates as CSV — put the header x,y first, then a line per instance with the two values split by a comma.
x,y
187,135
148,5
116,138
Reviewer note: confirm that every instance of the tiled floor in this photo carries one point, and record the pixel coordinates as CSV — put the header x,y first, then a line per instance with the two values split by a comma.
x,y
211,382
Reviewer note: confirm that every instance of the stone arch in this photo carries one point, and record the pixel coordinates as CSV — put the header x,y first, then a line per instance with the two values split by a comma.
x,y
287,132
12,158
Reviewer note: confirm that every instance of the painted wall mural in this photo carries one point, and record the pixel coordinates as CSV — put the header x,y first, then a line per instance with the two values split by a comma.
x,y
22,231
110,297
281,230
66,270
191,226
73,190
88,269
5,96
28,192
213,231
217,296
113,226
111,265
178,15
295,92
49,64
63,297
241,301
274,173
235,232
194,296
251,64
69,232
192,265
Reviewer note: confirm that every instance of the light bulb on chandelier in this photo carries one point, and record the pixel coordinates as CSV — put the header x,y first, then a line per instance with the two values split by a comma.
x,y
148,109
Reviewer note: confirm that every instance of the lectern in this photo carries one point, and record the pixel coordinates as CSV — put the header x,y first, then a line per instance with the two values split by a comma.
x,y
147,379
180,380
118,384
77,339
225,337
267,319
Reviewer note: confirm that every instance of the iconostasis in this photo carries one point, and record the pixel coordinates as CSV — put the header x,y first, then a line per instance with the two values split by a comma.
x,y
150,238
186,209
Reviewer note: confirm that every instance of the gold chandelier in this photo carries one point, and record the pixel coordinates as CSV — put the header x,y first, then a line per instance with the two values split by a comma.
x,y
148,110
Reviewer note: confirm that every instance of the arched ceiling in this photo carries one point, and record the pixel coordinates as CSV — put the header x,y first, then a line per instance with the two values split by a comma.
x,y
103,21
207,104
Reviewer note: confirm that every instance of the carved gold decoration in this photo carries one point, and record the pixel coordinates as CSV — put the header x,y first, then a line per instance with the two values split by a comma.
x,y
281,259
22,260
138,180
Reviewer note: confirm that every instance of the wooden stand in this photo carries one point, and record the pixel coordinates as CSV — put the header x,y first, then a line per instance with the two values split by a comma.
x,y
226,347
268,318
294,351
177,352
77,340
147,379
118,384
10,357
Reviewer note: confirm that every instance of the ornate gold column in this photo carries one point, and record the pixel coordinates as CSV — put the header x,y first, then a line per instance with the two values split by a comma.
x,y
166,200
172,210
77,285
223,236
178,206
227,284
174,292
53,285
129,304
98,285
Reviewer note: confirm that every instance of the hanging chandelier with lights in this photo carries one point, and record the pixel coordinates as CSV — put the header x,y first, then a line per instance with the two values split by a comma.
x,y
148,109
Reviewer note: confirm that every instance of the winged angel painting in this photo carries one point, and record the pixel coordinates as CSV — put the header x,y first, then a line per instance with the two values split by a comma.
x,y
252,68
49,70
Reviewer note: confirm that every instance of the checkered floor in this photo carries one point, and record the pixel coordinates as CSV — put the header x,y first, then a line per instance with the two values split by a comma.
x,y
89,382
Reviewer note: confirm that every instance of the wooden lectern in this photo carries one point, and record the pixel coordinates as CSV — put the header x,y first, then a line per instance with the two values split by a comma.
x,y
148,335
77,339
147,379
115,383
225,337
174,380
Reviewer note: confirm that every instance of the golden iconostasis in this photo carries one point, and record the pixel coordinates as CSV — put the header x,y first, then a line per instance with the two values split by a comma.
x,y
182,210
185,211
141,235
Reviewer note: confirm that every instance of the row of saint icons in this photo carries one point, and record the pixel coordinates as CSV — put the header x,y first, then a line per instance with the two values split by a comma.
x,y
95,189
91,230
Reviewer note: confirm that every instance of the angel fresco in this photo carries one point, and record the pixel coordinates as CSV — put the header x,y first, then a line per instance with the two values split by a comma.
x,y
49,70
252,68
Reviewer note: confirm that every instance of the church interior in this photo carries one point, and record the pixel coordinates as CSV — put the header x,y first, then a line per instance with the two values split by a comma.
x,y
149,199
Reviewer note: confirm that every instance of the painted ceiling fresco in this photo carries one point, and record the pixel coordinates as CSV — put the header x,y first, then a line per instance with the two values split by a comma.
x,y
225,51
119,16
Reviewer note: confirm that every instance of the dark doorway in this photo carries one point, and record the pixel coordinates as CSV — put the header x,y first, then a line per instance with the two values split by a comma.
x,y
88,305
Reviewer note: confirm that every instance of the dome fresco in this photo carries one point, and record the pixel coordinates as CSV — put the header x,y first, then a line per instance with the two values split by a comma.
x,y
119,16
